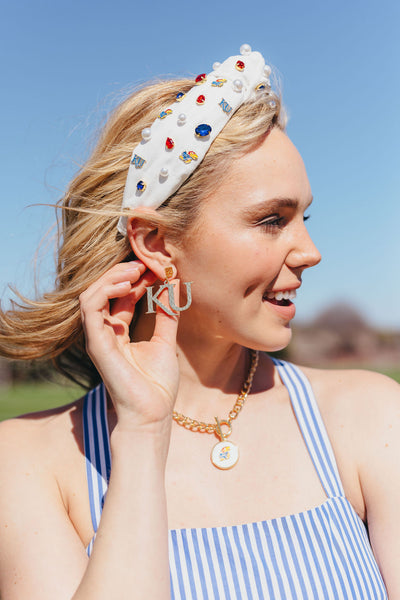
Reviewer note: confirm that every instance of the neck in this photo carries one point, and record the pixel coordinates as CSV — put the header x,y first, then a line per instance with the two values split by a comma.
x,y
212,369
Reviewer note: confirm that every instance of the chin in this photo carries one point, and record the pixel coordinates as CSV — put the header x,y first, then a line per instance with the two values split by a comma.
x,y
272,341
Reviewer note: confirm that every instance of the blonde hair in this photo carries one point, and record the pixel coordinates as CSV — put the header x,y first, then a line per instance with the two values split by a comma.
x,y
88,242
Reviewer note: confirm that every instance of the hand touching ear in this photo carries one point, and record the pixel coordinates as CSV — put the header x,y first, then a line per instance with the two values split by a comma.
x,y
141,378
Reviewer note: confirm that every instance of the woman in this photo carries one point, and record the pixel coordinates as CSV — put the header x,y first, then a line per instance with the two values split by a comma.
x,y
312,454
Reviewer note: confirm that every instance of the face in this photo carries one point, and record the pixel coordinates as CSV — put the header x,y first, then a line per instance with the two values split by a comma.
x,y
250,241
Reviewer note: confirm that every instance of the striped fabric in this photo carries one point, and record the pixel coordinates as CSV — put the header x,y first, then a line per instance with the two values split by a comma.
x,y
97,452
322,553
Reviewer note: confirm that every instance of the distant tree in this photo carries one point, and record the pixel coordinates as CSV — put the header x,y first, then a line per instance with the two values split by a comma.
x,y
342,318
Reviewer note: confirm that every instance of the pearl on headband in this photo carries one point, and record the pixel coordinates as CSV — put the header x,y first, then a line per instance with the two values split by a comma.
x,y
177,141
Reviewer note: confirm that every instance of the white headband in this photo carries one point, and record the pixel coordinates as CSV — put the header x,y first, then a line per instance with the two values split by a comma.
x,y
179,138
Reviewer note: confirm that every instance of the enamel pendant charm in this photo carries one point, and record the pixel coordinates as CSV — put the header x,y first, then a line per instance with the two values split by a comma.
x,y
225,454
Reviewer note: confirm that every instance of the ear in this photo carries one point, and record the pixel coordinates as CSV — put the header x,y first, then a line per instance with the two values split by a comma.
x,y
149,243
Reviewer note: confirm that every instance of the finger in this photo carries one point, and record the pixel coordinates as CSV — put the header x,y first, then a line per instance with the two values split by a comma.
x,y
166,326
94,307
118,273
123,308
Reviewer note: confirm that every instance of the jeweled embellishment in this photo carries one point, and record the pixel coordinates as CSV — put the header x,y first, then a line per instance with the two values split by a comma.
x,y
146,134
240,65
137,161
181,119
245,49
200,78
260,86
227,108
200,99
165,113
141,186
169,143
179,96
238,85
203,130
187,157
218,82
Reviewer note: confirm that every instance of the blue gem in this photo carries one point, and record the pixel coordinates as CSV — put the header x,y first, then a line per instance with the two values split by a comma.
x,y
140,186
179,96
203,130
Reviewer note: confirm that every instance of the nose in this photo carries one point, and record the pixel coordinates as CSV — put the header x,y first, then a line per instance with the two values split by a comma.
x,y
304,253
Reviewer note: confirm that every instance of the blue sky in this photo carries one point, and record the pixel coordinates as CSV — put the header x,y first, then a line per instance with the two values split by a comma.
x,y
64,65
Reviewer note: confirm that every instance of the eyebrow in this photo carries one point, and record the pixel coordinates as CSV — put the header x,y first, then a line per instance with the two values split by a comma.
x,y
272,205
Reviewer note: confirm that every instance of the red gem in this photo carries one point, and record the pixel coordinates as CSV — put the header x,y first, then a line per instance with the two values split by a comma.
x,y
201,78
169,142
240,65
201,99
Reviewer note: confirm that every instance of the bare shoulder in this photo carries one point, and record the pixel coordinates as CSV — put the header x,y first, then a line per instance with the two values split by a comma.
x,y
361,410
40,432
356,392
41,447
37,449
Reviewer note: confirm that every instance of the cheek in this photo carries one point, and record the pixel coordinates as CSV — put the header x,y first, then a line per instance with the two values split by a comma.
x,y
232,260
210,254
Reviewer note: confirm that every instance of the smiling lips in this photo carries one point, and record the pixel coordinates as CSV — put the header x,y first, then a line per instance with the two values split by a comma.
x,y
281,295
282,302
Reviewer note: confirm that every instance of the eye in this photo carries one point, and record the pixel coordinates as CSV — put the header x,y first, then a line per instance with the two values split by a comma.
x,y
272,223
306,217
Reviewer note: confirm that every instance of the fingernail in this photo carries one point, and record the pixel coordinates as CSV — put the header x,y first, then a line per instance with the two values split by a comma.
x,y
123,283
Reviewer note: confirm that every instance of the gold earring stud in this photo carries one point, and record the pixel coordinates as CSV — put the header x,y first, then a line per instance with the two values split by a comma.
x,y
169,272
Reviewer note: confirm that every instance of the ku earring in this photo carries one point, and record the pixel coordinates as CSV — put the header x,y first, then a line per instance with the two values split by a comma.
x,y
170,273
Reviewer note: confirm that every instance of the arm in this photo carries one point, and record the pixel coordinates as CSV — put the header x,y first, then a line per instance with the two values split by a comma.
x,y
130,555
41,555
379,472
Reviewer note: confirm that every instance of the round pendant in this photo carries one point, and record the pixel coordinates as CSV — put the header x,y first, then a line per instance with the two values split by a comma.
x,y
225,455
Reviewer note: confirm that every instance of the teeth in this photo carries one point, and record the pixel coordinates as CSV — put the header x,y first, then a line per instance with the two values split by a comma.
x,y
286,295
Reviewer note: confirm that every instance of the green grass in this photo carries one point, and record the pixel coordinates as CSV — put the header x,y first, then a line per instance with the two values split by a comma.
x,y
393,373
29,397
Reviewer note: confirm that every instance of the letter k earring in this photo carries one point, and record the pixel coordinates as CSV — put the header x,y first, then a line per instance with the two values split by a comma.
x,y
153,298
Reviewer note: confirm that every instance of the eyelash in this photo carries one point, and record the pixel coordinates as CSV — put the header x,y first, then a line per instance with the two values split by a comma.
x,y
277,223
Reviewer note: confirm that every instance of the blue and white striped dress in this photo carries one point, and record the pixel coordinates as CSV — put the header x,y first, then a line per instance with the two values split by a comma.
x,y
322,553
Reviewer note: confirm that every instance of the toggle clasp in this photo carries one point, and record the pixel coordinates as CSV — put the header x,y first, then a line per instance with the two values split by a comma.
x,y
222,436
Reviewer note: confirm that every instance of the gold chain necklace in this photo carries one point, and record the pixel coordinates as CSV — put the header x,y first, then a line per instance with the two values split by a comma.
x,y
225,454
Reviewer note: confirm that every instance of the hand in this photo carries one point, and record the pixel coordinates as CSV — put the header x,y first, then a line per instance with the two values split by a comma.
x,y
142,378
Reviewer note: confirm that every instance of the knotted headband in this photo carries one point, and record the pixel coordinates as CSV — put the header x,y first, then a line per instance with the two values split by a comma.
x,y
177,141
